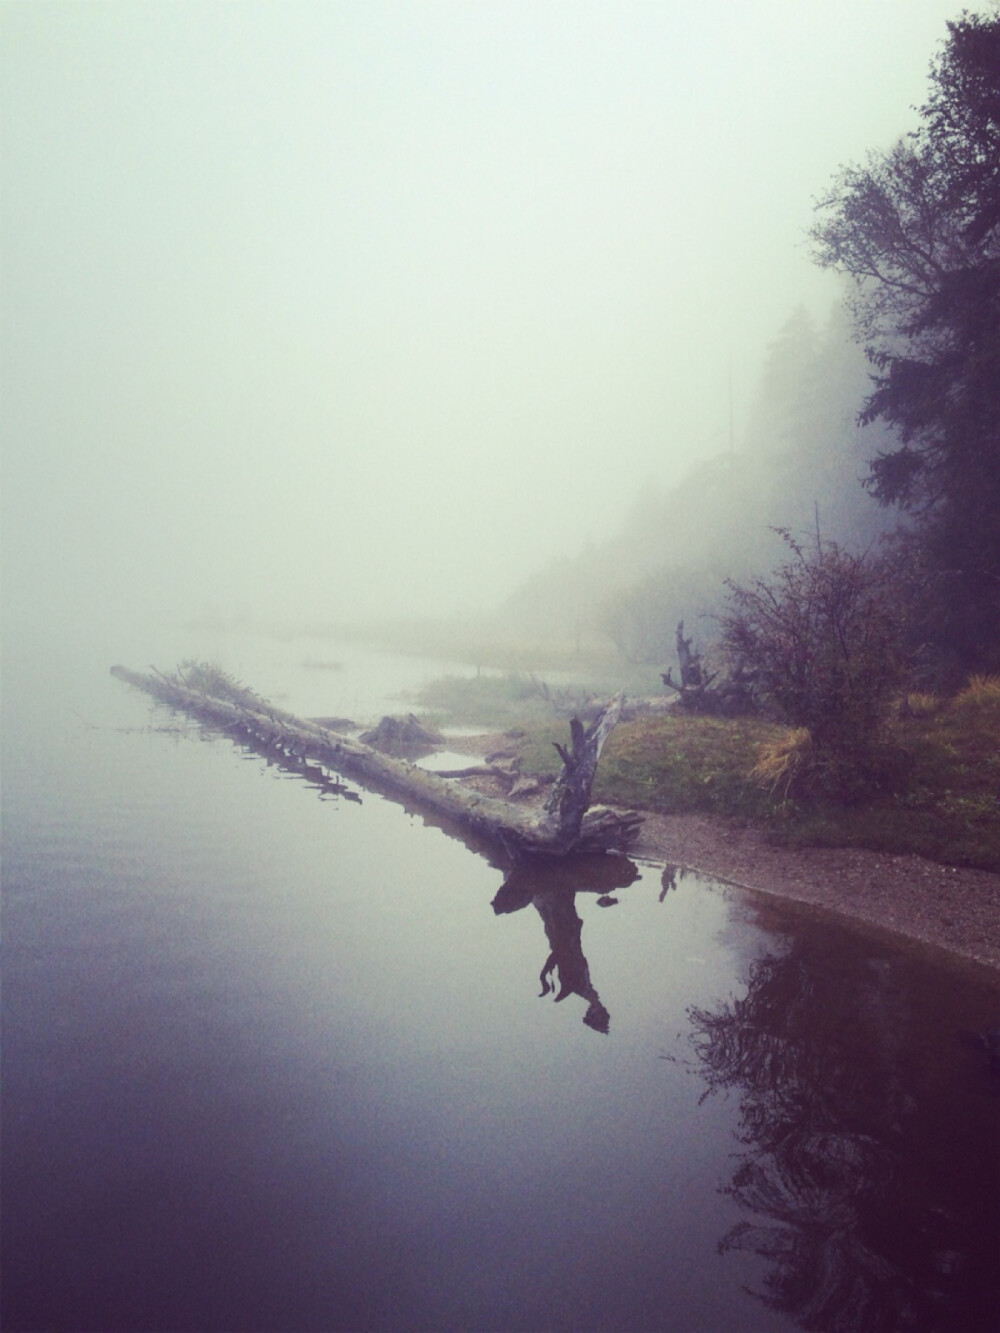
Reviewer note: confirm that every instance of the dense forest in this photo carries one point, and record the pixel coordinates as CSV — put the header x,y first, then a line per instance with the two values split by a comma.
x,y
879,433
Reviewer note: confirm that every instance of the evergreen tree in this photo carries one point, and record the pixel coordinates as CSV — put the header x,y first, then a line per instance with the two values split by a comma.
x,y
917,229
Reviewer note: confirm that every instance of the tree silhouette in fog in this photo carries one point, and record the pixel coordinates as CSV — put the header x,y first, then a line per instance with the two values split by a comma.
x,y
916,229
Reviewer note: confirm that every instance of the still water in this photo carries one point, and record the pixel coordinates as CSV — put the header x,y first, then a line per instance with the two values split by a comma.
x,y
280,1054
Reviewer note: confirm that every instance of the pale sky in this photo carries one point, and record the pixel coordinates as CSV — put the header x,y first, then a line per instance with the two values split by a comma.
x,y
323,309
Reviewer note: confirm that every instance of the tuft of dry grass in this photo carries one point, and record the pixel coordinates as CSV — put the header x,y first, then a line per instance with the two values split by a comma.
x,y
980,693
783,762
920,704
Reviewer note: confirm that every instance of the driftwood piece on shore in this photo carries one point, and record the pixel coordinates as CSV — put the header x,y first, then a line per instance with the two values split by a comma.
x,y
732,697
510,778
694,679
571,794
565,824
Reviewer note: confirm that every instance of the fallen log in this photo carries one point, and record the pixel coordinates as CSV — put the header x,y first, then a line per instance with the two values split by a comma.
x,y
564,824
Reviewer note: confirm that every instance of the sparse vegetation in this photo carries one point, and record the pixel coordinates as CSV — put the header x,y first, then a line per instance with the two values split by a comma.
x,y
820,638
918,703
211,679
491,701
782,762
499,699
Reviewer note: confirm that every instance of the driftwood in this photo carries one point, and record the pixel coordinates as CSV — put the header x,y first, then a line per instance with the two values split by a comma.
x,y
565,823
509,776
694,680
732,697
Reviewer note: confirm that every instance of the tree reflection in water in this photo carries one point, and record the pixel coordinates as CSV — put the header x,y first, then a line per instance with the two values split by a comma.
x,y
870,1163
552,888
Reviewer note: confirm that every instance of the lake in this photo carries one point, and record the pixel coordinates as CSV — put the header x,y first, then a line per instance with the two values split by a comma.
x,y
281,1054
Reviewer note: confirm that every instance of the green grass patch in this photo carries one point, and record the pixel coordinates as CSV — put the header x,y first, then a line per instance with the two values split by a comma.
x,y
937,794
681,764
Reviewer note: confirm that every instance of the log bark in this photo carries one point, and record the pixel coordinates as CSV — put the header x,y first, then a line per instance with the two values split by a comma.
x,y
565,824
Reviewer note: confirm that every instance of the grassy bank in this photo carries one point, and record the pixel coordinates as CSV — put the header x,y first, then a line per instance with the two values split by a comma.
x,y
940,796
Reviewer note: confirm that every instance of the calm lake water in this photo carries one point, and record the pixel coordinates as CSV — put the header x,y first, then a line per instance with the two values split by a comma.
x,y
280,1054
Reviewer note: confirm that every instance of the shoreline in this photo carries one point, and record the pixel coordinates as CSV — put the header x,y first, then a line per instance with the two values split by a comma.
x,y
950,908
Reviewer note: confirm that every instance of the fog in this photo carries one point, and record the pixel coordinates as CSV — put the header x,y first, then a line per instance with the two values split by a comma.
x,y
318,311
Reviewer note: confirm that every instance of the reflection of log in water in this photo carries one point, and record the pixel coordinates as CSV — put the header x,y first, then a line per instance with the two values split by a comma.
x,y
312,775
553,893
856,1187
564,929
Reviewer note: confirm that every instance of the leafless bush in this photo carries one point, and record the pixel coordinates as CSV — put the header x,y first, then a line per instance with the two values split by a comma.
x,y
821,635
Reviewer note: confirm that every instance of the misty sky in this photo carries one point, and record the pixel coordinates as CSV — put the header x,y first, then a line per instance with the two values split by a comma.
x,y
326,309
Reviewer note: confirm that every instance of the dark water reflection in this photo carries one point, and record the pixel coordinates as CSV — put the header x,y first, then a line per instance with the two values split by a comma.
x,y
273,1062
868,1178
869,1175
551,889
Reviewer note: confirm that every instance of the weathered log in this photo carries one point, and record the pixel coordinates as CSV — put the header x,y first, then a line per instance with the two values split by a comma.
x,y
564,824
511,779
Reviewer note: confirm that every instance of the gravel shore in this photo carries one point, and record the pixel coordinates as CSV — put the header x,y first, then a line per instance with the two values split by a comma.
x,y
949,907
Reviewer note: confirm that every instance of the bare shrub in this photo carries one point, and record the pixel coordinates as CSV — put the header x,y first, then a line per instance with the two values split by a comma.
x,y
821,635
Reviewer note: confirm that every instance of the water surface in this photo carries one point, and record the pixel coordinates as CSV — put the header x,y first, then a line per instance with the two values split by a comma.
x,y
280,1054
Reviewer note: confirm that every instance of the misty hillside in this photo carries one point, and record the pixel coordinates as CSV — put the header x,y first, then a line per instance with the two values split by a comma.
x,y
802,457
